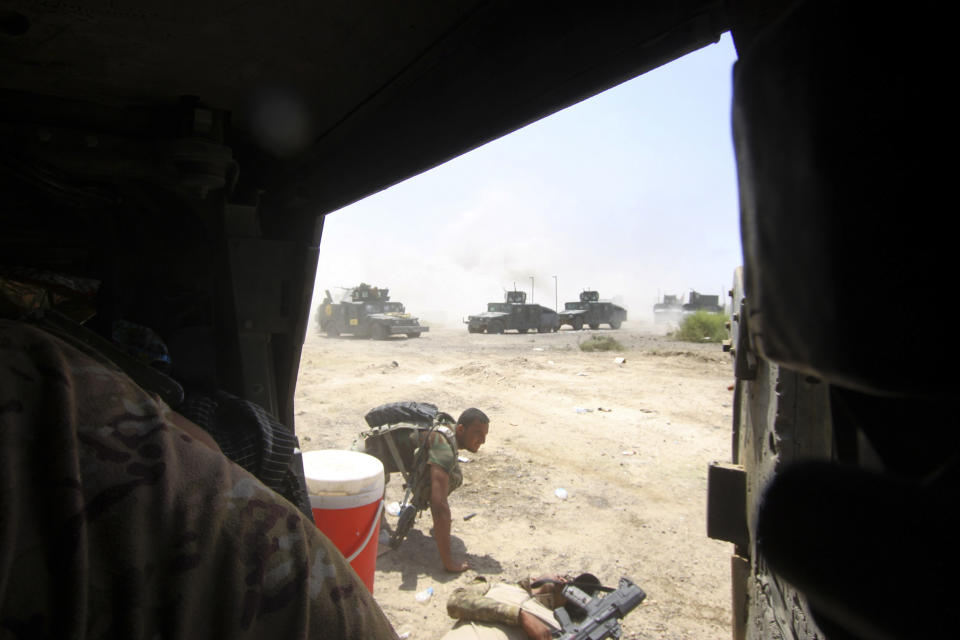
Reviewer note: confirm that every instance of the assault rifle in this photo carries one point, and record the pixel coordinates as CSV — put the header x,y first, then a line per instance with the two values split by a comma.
x,y
603,612
408,513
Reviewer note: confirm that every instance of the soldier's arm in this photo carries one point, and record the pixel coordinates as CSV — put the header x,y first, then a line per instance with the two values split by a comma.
x,y
236,560
440,510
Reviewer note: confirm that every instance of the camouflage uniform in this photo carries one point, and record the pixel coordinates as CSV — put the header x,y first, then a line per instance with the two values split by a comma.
x,y
445,457
492,612
441,453
116,522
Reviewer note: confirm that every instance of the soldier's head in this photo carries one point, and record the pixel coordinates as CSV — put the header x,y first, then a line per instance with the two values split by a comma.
x,y
472,428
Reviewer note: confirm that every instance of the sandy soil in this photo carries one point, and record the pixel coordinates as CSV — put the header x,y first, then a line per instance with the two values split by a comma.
x,y
634,465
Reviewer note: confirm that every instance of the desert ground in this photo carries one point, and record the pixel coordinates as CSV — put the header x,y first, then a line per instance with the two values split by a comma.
x,y
630,443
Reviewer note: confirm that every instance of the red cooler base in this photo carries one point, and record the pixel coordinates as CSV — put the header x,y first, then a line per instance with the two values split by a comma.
x,y
347,529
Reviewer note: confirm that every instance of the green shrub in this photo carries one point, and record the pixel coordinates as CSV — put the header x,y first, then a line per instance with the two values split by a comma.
x,y
703,326
600,343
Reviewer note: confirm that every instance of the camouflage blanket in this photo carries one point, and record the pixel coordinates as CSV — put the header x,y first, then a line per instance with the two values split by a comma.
x,y
120,519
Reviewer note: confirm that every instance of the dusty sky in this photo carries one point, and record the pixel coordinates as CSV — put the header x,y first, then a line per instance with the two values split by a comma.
x,y
631,192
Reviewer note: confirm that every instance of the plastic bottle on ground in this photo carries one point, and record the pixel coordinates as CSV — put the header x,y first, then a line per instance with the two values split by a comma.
x,y
425,595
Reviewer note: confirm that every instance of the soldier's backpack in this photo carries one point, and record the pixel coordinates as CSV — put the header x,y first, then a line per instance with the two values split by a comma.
x,y
390,440
421,413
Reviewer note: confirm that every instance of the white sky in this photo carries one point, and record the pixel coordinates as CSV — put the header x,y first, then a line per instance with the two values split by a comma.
x,y
632,192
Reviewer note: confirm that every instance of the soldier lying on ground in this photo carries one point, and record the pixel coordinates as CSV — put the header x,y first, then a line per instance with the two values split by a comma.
x,y
439,473
518,611
120,518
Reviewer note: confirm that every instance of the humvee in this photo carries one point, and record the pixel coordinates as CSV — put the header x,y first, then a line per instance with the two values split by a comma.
x,y
367,312
590,310
513,314
700,302
667,310
186,155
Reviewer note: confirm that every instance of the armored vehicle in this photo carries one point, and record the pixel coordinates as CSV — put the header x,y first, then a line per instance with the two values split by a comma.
x,y
185,155
701,302
591,311
513,313
367,312
670,309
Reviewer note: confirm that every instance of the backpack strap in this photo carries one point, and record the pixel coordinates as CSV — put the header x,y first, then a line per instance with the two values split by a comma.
x,y
419,477
397,460
386,434
447,433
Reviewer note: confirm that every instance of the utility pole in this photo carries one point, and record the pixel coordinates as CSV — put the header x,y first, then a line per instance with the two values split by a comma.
x,y
555,306
531,289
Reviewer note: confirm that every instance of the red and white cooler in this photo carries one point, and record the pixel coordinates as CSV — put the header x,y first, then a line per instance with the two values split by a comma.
x,y
346,495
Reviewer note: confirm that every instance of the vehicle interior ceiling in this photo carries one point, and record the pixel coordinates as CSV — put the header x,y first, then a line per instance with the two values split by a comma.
x,y
183,156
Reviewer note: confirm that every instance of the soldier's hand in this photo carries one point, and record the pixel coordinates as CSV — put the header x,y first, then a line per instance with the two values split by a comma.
x,y
456,567
534,627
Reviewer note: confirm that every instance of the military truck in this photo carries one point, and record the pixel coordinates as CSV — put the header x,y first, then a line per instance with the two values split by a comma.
x,y
668,310
513,314
367,312
591,311
700,302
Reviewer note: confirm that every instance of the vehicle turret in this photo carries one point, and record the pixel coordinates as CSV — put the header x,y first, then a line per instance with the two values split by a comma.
x,y
365,293
669,310
700,302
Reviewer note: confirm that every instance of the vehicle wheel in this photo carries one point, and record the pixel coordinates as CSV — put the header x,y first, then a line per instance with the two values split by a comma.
x,y
495,327
379,332
413,334
594,325
473,329
544,329
577,324
332,332
614,324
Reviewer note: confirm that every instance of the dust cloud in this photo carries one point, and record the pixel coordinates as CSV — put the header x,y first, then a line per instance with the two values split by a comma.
x,y
482,251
